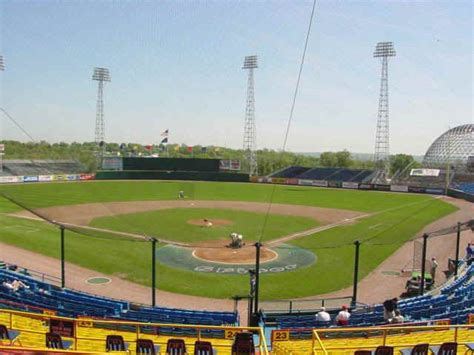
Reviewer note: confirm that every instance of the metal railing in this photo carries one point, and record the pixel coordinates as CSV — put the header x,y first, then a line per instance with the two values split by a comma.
x,y
303,305
133,330
383,336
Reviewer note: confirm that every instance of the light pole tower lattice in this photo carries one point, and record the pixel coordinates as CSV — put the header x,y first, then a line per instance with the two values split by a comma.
x,y
101,75
383,50
250,130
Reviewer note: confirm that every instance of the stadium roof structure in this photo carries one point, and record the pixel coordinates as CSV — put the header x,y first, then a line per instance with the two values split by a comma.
x,y
454,146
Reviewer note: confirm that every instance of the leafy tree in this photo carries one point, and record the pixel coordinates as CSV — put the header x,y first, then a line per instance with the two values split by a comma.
x,y
343,159
328,159
400,162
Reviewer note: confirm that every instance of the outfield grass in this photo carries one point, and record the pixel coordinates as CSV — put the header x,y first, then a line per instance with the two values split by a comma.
x,y
381,234
69,193
172,224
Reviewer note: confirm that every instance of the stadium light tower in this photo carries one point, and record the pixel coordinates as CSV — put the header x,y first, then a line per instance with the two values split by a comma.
x,y
2,66
101,75
250,129
383,50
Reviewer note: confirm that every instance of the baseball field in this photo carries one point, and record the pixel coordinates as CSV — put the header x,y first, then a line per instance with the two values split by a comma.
x,y
309,230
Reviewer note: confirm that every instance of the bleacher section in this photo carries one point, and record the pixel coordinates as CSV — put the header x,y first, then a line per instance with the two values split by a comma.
x,y
467,187
328,174
29,331
400,339
41,167
290,172
455,302
71,303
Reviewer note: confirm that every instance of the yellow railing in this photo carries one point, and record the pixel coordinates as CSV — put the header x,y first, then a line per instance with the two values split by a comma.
x,y
132,330
326,339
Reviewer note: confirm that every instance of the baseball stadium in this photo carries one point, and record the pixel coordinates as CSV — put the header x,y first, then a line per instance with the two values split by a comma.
x,y
146,252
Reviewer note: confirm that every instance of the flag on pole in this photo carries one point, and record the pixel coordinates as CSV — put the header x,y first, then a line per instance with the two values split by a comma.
x,y
149,147
164,140
165,133
190,149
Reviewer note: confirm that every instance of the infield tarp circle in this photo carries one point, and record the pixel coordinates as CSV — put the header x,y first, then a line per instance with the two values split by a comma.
x,y
289,258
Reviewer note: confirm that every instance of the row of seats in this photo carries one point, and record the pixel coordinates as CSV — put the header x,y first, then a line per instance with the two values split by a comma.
x,y
466,187
33,331
290,172
329,174
70,303
42,167
401,341
455,302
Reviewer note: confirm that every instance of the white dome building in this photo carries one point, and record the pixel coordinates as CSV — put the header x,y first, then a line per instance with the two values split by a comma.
x,y
454,146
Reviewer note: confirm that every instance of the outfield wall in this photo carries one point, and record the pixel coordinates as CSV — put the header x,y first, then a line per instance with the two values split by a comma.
x,y
45,178
172,175
349,185
171,164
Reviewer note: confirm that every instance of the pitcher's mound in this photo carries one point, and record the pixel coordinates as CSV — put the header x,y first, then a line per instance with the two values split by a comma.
x,y
209,222
218,252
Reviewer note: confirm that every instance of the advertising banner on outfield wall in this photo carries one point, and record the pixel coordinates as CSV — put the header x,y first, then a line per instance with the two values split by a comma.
x,y
30,178
10,179
278,181
305,182
417,189
44,178
350,185
72,177
292,181
86,177
380,187
59,177
399,188
320,183
366,187
334,184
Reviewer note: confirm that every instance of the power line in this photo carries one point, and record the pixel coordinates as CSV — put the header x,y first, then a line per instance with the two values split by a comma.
x,y
17,124
290,118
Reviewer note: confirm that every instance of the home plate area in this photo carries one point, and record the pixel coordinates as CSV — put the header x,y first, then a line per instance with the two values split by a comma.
x,y
221,260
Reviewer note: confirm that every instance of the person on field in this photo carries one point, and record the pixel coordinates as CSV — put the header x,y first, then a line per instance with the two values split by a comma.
x,y
389,307
343,316
323,316
181,194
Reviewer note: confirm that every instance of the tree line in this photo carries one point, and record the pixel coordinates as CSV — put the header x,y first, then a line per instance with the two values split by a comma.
x,y
268,160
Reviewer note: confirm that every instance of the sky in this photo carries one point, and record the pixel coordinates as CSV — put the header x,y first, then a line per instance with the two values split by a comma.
x,y
177,65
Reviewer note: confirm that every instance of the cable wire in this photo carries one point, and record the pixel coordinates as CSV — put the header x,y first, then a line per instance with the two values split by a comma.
x,y
290,118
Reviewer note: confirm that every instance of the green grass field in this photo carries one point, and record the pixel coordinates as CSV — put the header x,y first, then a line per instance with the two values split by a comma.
x,y
172,224
400,217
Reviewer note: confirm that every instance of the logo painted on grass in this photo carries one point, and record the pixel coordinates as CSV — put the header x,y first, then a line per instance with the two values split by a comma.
x,y
289,258
98,280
